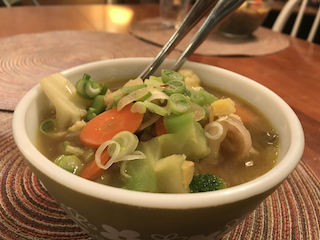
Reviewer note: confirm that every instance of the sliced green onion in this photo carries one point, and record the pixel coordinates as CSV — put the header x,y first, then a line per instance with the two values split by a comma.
x,y
80,88
174,86
49,128
48,125
120,148
91,113
98,104
156,108
88,89
92,89
178,104
128,143
86,76
127,90
104,89
195,97
168,75
70,163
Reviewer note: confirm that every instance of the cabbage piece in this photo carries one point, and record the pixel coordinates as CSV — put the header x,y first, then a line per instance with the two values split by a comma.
x,y
140,175
185,136
70,108
174,174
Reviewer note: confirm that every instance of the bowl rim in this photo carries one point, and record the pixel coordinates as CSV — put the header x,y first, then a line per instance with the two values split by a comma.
x,y
262,184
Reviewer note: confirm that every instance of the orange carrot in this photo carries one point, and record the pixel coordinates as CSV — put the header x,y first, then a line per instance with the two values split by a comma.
x,y
92,171
107,124
159,127
103,128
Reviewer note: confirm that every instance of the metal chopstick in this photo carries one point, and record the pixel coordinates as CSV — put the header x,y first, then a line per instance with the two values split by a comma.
x,y
220,10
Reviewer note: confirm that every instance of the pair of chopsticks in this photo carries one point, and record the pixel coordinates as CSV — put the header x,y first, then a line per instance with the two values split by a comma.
x,y
220,9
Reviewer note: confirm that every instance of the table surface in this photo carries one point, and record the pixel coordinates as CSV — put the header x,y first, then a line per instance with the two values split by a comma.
x,y
293,73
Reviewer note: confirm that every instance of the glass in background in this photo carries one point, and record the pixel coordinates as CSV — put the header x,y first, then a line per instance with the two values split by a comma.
x,y
172,12
246,19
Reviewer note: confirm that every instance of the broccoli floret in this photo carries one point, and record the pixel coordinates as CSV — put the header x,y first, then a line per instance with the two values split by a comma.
x,y
205,183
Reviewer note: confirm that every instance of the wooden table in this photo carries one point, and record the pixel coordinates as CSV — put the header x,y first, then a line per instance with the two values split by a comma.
x,y
293,73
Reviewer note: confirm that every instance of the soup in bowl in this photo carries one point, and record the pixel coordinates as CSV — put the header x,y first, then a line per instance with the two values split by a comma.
x,y
107,210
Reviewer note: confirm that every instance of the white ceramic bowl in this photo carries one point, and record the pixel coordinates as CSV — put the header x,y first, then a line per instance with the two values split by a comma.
x,y
107,212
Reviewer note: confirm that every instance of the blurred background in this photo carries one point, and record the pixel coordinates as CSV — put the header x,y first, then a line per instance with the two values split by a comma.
x,y
268,22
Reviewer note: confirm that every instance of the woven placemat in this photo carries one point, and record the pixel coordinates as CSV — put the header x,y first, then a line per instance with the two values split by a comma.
x,y
262,42
26,58
28,212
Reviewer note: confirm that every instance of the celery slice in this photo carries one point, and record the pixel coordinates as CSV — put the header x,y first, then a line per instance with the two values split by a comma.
x,y
168,75
178,104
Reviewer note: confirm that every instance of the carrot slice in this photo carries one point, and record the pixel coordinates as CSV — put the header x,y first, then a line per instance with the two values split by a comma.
x,y
107,124
93,171
159,127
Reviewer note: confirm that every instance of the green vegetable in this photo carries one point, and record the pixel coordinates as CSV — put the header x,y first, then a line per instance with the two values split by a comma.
x,y
92,89
209,98
168,75
195,97
89,89
127,90
156,108
104,89
48,125
141,171
145,97
71,163
178,104
185,136
116,99
201,97
206,183
91,113
69,107
80,86
171,175
98,104
174,86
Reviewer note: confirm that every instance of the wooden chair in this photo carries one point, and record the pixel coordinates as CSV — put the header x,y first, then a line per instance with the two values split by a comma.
x,y
285,14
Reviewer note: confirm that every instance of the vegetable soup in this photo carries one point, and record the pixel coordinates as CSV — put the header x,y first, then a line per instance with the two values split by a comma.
x,y
168,133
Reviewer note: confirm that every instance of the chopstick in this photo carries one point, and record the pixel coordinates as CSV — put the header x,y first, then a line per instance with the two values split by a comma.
x,y
220,10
